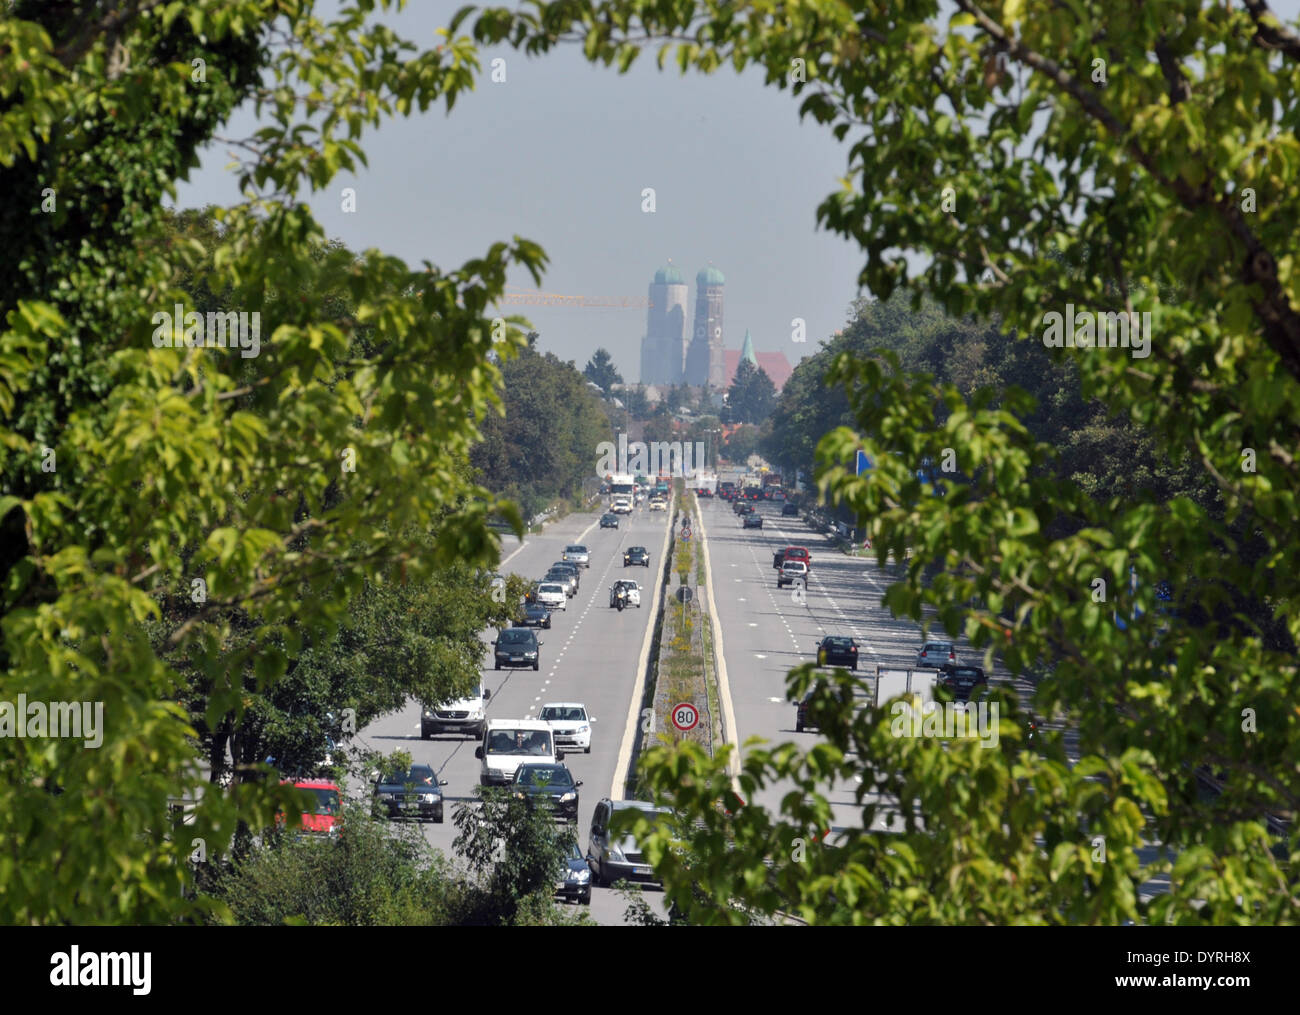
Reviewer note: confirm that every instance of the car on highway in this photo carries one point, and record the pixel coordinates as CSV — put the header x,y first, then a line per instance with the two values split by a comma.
x,y
609,521
658,505
564,578
936,654
576,554
619,857
552,595
793,572
574,572
621,506
632,590
802,720
837,650
753,520
509,743
962,681
575,876
570,723
636,555
553,783
799,553
413,793
789,510
533,615
517,646
322,813
466,716
742,508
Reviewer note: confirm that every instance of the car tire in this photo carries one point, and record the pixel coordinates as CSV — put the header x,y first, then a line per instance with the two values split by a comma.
x,y
798,726
585,898
498,665
437,816
537,665
598,876
587,749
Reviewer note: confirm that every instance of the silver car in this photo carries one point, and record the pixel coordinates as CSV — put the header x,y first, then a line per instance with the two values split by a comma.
x,y
615,859
576,555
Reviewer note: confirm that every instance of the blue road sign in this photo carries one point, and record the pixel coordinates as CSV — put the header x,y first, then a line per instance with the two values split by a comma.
x,y
864,463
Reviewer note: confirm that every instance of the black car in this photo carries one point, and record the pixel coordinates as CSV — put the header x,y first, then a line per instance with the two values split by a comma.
x,y
518,646
608,521
575,874
789,510
962,680
412,794
838,650
742,508
553,783
752,520
635,555
534,615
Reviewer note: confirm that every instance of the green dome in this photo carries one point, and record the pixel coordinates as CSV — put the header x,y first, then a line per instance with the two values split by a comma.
x,y
710,276
669,275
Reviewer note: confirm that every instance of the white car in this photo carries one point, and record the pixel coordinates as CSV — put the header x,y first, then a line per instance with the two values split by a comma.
x,y
633,592
465,715
509,743
658,505
552,596
621,506
793,572
570,723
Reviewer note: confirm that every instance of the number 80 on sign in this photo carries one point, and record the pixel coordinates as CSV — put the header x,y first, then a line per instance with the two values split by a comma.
x,y
685,716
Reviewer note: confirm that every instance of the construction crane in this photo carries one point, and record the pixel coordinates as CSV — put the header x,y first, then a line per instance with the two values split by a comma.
x,y
535,298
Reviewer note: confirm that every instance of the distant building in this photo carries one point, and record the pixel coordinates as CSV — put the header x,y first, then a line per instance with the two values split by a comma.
x,y
774,364
705,360
663,349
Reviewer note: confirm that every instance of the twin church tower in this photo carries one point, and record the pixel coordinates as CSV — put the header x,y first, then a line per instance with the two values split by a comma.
x,y
671,355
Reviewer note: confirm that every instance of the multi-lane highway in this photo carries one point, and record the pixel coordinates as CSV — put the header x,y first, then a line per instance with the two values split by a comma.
x,y
591,653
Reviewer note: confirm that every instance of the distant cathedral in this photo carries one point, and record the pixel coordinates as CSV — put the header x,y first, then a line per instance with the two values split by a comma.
x,y
672,355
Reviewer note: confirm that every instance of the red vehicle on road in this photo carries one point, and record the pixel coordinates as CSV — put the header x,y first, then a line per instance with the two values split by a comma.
x,y
792,553
323,813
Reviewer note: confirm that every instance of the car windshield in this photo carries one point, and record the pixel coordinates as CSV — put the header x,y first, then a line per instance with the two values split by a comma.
x,y
575,549
327,800
563,713
938,646
550,588
543,775
419,775
516,636
519,742
839,642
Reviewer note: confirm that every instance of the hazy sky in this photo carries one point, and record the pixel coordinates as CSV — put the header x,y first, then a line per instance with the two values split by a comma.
x,y
560,152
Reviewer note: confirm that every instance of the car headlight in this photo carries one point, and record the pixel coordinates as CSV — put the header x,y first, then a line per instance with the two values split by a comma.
x,y
531,655
568,798
584,729
387,796
582,876
616,854
428,798
520,796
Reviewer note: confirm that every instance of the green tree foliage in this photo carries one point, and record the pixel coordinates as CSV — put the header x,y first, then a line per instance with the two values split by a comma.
x,y
743,442
1037,163
600,370
751,397
285,482
544,446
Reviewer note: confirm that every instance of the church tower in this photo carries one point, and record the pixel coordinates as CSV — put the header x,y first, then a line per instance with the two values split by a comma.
x,y
663,349
705,361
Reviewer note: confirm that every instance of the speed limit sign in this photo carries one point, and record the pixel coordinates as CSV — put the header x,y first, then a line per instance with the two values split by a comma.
x,y
685,716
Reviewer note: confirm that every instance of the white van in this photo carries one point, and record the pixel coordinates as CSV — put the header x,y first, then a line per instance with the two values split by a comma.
x,y
509,743
465,715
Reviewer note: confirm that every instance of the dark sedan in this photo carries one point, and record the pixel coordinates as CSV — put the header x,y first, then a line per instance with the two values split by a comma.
x,y
837,650
552,783
753,520
413,794
742,508
517,646
636,555
962,681
534,615
789,510
609,521
575,874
